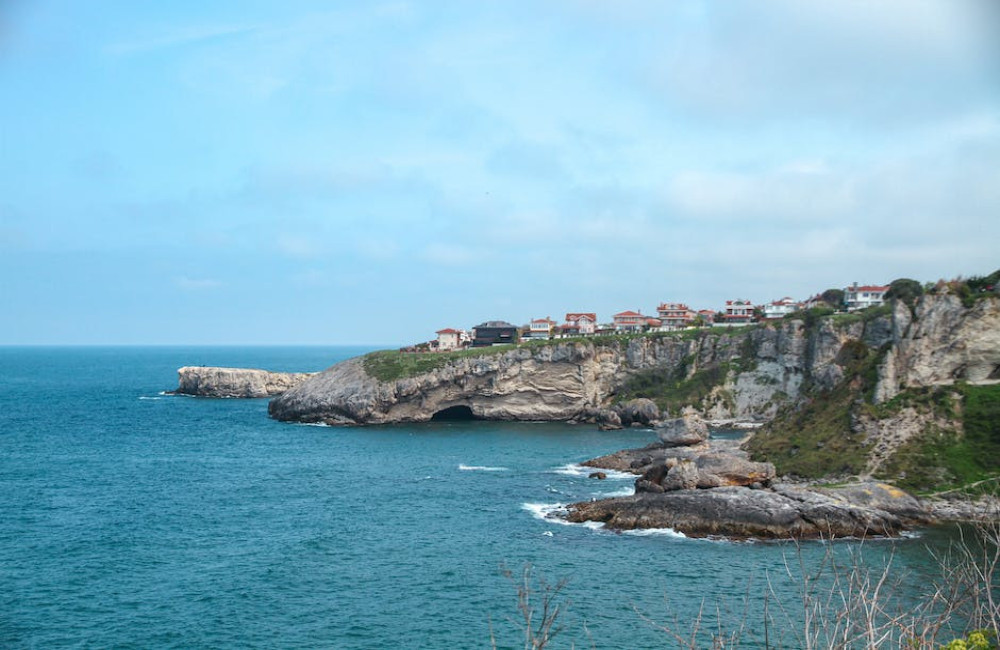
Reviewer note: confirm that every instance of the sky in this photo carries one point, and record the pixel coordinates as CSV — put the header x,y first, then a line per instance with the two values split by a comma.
x,y
307,172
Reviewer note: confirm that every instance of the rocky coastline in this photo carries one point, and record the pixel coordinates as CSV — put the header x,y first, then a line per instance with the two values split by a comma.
x,y
704,487
206,381
687,480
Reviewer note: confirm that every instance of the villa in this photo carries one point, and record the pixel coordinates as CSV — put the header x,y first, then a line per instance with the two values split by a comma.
x,y
675,315
541,328
778,309
739,312
449,339
863,297
580,323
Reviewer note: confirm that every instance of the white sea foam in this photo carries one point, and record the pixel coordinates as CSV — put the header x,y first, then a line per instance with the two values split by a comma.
x,y
481,468
145,397
544,511
654,532
313,424
573,469
624,492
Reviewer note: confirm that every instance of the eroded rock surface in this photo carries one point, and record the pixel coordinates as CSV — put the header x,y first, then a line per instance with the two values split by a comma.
x,y
742,512
206,381
711,488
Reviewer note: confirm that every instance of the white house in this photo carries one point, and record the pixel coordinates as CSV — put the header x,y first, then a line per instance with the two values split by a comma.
x,y
449,339
541,328
739,312
777,309
862,297
675,315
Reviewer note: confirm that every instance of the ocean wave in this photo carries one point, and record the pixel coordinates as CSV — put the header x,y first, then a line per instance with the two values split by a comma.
x,y
545,512
574,469
654,532
480,468
145,397
626,491
313,424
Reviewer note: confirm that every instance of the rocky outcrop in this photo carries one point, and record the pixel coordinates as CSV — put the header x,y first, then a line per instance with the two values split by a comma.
x,y
939,343
206,381
741,512
555,382
753,372
711,488
684,431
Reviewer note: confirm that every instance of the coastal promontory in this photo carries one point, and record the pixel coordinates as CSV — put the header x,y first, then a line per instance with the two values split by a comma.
x,y
205,381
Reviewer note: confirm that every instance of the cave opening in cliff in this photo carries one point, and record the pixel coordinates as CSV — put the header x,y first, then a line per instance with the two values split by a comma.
x,y
452,413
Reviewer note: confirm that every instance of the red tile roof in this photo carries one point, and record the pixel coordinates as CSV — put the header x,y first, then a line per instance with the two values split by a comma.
x,y
447,331
628,313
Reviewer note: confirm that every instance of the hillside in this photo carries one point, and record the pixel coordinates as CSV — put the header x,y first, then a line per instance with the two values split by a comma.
x,y
868,393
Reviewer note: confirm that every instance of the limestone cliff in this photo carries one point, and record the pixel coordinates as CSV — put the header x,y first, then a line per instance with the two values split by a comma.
x,y
939,343
745,374
207,381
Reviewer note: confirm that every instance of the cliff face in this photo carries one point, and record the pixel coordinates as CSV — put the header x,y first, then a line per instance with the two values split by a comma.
x,y
235,382
556,382
939,343
756,371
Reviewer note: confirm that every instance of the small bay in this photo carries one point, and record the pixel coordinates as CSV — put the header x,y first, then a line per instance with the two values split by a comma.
x,y
135,519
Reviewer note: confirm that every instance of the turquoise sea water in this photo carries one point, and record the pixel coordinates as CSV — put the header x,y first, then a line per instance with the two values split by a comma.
x,y
133,519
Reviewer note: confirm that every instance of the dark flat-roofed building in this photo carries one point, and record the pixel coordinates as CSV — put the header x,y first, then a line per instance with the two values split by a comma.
x,y
493,332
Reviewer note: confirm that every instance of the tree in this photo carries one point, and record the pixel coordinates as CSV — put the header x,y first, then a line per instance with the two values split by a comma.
x,y
833,297
906,290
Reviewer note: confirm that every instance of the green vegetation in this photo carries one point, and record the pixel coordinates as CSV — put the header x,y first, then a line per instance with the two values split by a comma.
x,y
862,316
971,290
669,388
833,297
814,439
906,290
945,457
389,365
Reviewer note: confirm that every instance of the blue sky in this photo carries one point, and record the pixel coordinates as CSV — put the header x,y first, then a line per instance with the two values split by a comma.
x,y
364,172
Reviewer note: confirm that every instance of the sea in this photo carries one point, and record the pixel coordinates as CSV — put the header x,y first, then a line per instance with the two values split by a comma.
x,y
132,518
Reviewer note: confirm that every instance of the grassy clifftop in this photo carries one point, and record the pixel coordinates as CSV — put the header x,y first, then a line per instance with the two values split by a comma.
x,y
390,365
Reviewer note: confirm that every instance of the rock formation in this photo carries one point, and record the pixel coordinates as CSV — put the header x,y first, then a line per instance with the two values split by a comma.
x,y
206,381
738,374
710,488
741,512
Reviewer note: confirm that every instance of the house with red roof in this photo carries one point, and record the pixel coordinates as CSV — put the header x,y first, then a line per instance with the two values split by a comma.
x,y
580,323
862,297
541,328
738,312
633,321
675,315
777,309
449,339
